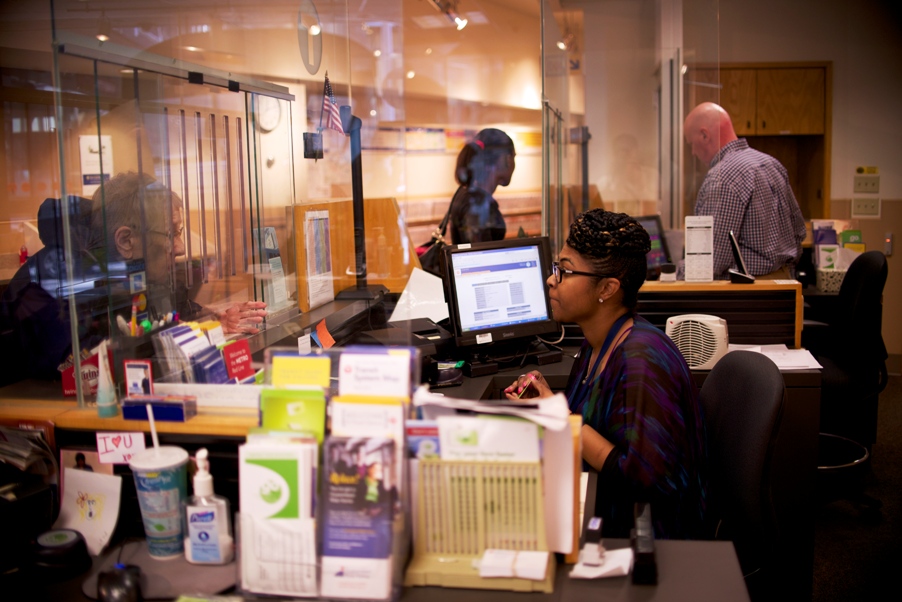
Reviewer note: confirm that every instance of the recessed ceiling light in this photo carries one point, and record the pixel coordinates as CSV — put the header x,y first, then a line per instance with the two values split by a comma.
x,y
315,30
411,74
377,53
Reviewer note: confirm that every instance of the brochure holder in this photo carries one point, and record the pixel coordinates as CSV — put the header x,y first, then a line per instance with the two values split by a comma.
x,y
464,508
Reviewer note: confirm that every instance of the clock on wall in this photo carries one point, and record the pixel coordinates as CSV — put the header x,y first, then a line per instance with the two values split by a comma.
x,y
269,113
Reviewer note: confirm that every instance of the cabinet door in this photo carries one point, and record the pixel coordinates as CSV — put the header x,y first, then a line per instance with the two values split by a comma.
x,y
737,97
791,101
733,89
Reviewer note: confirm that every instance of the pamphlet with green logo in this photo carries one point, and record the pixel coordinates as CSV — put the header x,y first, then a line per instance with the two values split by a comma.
x,y
297,410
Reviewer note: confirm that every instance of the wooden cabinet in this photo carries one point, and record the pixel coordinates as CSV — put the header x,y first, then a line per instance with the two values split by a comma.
x,y
765,102
782,109
790,101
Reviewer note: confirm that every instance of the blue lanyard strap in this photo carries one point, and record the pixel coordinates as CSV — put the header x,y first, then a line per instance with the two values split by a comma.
x,y
580,388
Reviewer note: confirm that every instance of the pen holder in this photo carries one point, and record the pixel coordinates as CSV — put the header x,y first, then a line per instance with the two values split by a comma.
x,y
464,508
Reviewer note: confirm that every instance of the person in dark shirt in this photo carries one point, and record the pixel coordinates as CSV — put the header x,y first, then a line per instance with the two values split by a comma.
x,y
642,421
139,221
483,164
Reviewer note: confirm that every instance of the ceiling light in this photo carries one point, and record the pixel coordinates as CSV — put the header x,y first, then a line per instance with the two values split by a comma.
x,y
449,9
411,74
566,42
103,32
377,53
315,30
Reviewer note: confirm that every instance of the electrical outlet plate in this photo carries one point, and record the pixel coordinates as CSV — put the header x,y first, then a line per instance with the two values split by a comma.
x,y
866,184
866,207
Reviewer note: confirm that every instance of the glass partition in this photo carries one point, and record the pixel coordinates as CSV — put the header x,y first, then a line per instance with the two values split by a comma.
x,y
253,182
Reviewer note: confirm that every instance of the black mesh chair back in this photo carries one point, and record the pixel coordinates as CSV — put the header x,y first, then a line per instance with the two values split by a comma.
x,y
742,399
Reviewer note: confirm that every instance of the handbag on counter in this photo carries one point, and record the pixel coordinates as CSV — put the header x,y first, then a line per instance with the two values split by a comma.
x,y
430,252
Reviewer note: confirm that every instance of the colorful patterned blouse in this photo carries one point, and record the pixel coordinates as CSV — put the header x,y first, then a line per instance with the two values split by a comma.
x,y
646,404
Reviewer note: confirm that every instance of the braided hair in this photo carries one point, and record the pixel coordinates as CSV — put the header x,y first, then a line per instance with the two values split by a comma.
x,y
615,244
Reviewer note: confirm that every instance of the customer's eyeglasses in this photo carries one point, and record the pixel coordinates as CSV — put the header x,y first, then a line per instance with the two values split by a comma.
x,y
559,272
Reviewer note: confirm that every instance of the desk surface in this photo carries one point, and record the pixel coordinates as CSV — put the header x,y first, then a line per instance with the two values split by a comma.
x,y
694,571
67,415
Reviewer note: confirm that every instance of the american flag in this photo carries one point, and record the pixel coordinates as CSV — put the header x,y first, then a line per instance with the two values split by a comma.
x,y
330,113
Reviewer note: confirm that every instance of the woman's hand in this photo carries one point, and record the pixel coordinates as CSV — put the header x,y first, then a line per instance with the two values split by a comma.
x,y
529,385
243,317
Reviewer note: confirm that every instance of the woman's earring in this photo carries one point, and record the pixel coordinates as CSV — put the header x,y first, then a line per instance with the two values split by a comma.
x,y
601,299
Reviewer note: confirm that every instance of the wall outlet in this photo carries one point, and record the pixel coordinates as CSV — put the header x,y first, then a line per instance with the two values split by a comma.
x,y
865,207
866,184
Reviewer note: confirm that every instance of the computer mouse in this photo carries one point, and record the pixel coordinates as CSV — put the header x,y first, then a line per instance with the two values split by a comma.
x,y
122,583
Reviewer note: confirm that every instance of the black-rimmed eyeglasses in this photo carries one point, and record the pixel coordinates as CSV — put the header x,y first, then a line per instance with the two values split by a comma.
x,y
559,272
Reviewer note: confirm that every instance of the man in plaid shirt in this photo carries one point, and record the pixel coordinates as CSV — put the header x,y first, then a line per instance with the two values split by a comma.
x,y
747,192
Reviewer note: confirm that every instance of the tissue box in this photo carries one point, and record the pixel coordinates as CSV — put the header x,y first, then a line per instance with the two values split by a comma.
x,y
829,280
825,256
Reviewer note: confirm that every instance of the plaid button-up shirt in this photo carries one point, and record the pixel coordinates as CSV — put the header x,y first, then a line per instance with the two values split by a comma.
x,y
748,192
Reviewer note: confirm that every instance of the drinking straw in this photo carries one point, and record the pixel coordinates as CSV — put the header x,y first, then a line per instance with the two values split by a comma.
x,y
153,429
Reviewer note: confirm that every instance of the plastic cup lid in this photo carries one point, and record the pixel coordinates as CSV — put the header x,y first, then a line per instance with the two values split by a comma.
x,y
166,456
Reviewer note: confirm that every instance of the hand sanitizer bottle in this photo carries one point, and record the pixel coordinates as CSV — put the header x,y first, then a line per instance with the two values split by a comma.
x,y
208,529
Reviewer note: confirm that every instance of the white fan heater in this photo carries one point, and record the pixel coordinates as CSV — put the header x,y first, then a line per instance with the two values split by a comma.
x,y
702,339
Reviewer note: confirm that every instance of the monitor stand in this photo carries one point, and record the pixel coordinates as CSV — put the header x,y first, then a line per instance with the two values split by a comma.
x,y
500,356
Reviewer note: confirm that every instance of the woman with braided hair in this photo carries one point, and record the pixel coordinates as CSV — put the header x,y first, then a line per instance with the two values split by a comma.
x,y
483,164
642,426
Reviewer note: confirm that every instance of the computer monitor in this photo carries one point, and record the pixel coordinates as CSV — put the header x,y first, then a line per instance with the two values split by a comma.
x,y
497,293
659,253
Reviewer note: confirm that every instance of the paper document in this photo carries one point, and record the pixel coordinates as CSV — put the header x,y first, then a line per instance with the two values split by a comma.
x,y
783,357
90,506
550,412
699,248
423,297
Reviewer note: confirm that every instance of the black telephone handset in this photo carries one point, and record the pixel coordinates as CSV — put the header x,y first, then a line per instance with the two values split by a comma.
x,y
740,276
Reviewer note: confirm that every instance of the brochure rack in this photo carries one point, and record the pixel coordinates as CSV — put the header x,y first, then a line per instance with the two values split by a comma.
x,y
464,508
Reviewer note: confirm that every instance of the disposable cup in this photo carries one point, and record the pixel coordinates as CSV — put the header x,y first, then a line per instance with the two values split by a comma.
x,y
161,478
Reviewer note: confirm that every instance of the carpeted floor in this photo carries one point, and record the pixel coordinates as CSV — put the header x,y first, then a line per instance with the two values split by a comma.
x,y
858,557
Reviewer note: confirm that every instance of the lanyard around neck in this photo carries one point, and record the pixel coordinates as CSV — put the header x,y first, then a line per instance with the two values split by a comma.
x,y
578,395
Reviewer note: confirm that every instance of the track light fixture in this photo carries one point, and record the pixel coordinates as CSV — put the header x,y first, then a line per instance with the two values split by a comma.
x,y
449,9
103,32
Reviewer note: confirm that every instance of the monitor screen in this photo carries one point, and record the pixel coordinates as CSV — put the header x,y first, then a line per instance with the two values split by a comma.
x,y
496,290
659,254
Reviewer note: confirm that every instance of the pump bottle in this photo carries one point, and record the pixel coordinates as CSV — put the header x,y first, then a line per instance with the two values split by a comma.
x,y
208,529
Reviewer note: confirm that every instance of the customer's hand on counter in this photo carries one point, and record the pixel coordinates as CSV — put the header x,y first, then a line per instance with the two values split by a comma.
x,y
242,318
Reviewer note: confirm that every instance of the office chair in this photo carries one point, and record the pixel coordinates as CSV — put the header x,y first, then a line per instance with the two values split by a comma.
x,y
742,399
851,350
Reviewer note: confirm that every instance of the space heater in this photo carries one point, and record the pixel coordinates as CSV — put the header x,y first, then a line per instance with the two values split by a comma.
x,y
702,339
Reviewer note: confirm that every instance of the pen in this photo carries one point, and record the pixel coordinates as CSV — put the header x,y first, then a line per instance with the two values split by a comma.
x,y
531,379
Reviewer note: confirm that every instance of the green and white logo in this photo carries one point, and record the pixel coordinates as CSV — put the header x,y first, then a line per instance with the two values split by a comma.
x,y
278,492
469,437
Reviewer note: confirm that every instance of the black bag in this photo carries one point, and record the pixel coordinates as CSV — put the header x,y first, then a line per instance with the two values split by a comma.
x,y
430,257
